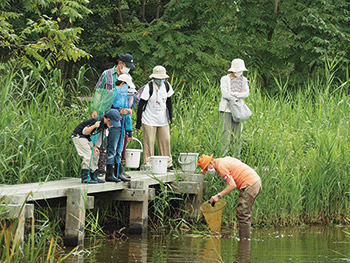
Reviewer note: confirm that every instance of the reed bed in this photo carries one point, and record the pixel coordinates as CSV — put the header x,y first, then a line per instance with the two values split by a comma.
x,y
297,139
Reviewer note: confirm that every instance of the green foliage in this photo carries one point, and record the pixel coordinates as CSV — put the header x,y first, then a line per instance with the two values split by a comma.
x,y
41,245
41,31
297,141
198,39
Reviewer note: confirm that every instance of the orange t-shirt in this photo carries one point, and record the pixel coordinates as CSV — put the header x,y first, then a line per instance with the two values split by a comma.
x,y
241,173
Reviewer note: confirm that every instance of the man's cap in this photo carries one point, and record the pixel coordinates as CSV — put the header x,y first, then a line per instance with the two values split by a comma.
x,y
127,79
204,161
114,116
128,60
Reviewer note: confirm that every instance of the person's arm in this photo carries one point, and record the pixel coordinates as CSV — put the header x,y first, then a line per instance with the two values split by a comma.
x,y
225,89
139,113
231,185
169,106
88,130
101,81
244,92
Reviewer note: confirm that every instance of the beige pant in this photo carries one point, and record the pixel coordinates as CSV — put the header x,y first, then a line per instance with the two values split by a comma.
x,y
163,139
84,149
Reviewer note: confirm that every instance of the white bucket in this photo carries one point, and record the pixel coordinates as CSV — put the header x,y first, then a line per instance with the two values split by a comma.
x,y
188,161
159,164
133,156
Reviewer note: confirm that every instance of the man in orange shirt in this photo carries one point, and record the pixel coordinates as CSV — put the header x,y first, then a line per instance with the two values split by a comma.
x,y
237,175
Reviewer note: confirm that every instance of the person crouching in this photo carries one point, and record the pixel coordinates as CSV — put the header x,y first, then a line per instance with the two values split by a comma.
x,y
81,137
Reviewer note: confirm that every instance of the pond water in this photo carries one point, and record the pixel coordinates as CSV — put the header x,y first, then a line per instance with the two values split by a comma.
x,y
301,244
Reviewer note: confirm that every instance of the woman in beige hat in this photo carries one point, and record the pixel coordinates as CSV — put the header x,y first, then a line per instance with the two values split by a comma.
x,y
155,113
233,86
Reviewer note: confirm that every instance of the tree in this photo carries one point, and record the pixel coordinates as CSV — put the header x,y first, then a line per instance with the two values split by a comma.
x,y
41,31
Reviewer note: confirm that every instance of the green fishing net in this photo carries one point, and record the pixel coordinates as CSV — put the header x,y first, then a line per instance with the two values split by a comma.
x,y
102,100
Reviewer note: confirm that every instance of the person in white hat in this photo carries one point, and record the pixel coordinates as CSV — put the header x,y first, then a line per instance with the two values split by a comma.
x,y
116,134
155,113
233,86
109,77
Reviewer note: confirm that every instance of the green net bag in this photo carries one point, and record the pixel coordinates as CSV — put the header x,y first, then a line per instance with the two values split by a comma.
x,y
102,100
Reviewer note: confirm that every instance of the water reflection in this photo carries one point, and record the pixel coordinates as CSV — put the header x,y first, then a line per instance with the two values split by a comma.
x,y
243,251
302,244
138,248
212,250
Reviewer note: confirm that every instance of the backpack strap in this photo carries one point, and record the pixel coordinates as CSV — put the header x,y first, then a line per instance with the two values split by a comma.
x,y
167,87
150,85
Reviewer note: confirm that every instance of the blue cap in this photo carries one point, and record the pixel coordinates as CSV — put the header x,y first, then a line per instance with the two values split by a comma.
x,y
114,116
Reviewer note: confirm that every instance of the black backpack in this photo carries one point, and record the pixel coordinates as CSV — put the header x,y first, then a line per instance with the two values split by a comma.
x,y
150,84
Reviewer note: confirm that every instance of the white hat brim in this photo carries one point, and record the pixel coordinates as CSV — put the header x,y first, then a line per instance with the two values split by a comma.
x,y
159,76
237,69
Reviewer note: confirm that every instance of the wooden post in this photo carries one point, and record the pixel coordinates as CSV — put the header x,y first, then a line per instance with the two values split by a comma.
x,y
194,201
139,210
18,206
75,217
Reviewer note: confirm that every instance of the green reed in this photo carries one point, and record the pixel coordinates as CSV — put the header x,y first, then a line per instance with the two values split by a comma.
x,y
297,140
40,244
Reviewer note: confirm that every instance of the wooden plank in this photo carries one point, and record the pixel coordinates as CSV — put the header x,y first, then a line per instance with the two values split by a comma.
x,y
186,187
13,210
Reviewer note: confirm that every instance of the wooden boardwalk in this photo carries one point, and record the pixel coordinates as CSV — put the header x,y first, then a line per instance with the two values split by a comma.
x,y
19,200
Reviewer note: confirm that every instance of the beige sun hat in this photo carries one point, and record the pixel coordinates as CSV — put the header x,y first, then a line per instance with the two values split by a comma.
x,y
159,72
237,65
127,79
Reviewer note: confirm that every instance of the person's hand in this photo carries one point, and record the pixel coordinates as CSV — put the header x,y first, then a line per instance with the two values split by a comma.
x,y
94,114
138,129
214,199
96,150
130,138
97,124
125,111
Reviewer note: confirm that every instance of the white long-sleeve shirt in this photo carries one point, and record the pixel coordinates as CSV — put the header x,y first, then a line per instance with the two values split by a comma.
x,y
227,95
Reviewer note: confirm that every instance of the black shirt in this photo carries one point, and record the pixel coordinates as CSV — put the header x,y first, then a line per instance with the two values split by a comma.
x,y
88,123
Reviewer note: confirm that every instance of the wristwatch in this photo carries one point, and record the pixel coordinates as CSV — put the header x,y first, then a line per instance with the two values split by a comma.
x,y
219,195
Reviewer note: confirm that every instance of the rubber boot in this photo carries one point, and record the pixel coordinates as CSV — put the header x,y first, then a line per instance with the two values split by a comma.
x,y
124,173
94,177
85,178
120,174
110,174
244,231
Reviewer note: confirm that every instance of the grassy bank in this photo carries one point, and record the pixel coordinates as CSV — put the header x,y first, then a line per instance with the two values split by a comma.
x,y
298,140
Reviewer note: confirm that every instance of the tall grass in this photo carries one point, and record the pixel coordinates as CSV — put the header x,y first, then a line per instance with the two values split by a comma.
x,y
297,139
40,246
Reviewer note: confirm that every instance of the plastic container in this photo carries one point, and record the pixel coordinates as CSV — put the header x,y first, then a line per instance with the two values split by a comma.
x,y
213,214
188,162
133,156
159,164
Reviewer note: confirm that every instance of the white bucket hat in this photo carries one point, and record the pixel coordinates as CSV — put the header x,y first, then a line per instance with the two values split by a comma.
x,y
237,65
127,79
159,72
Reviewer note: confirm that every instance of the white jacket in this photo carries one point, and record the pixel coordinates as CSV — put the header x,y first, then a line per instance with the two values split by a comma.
x,y
225,92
